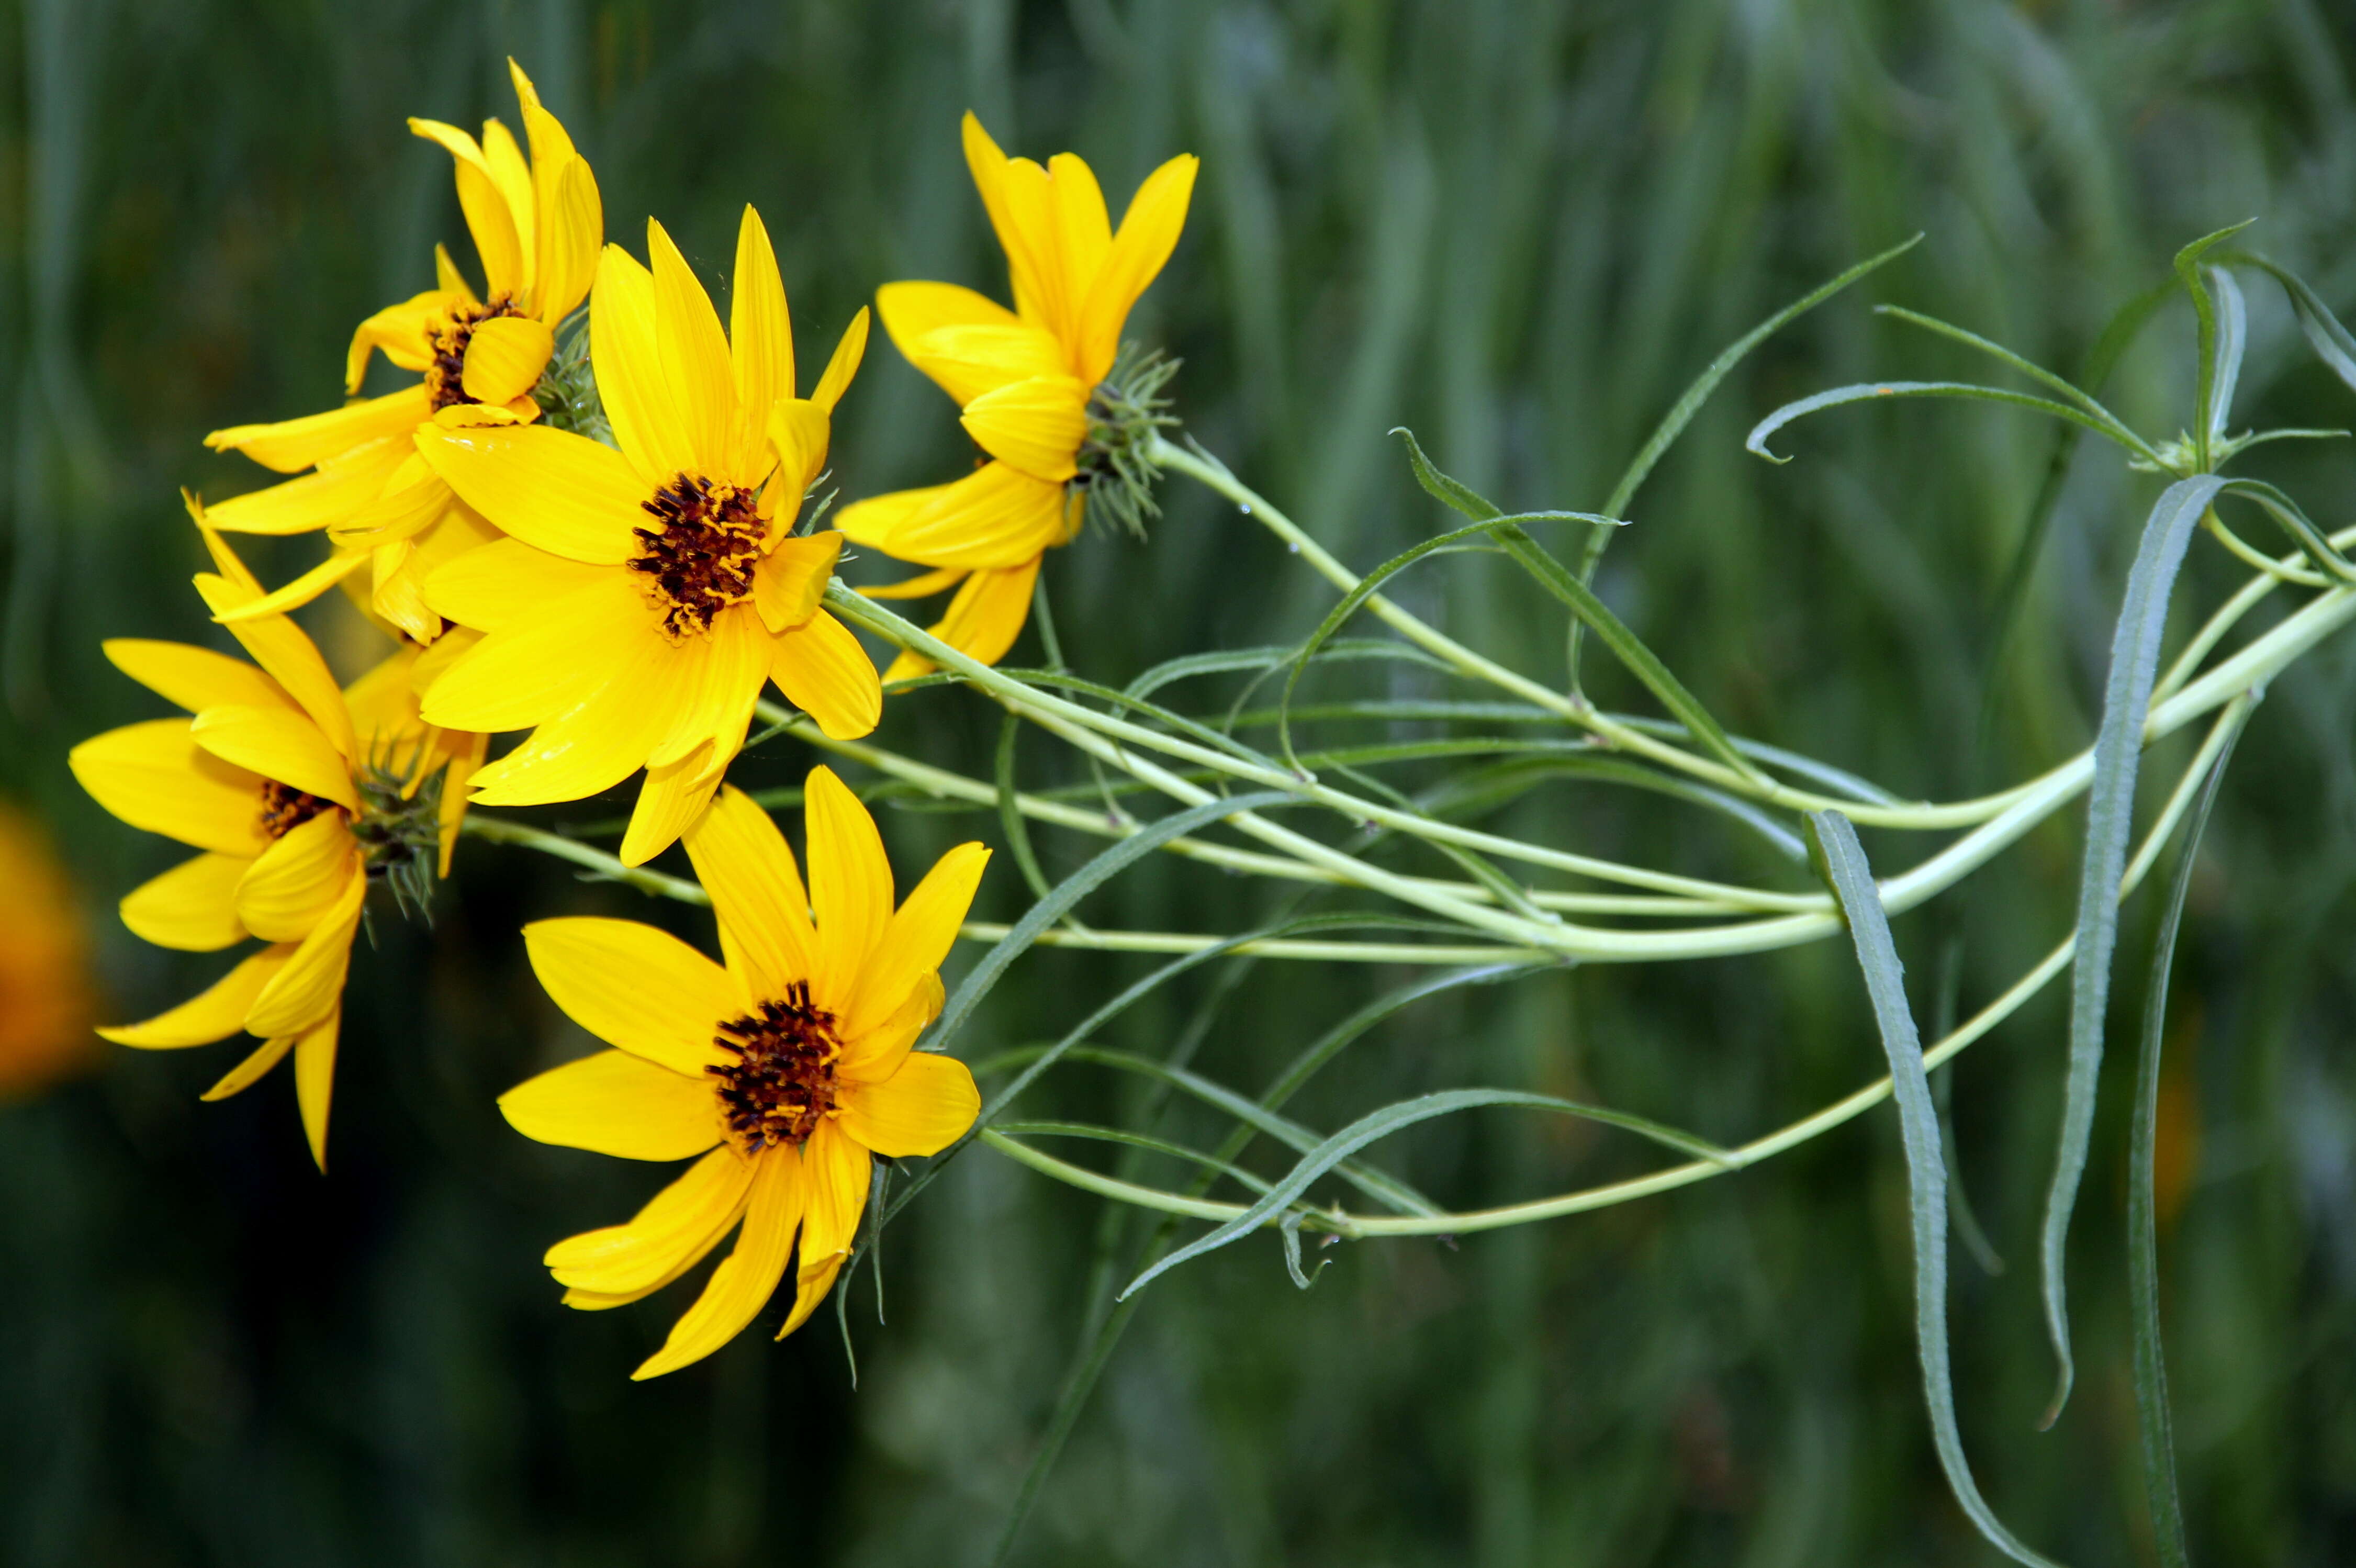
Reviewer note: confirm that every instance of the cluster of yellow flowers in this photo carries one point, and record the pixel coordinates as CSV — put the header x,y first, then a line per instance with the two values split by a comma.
x,y
609,556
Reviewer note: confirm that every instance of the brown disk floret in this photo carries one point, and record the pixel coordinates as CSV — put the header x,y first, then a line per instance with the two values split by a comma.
x,y
782,1080
285,808
445,377
702,555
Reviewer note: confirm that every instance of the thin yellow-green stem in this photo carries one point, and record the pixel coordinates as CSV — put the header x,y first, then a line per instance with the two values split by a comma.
x,y
1286,948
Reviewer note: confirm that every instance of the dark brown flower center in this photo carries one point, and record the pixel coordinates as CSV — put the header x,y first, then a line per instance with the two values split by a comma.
x,y
702,554
782,1080
445,377
285,808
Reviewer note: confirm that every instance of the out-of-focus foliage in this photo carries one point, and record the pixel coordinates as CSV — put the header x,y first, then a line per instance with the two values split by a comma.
x,y
1519,229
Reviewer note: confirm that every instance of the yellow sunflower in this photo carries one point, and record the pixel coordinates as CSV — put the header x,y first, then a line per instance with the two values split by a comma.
x,y
644,595
537,225
1024,379
786,1071
45,1000
298,794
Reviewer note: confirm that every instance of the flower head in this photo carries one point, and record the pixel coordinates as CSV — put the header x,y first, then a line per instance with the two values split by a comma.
x,y
644,595
537,225
297,795
780,1074
1033,382
45,1000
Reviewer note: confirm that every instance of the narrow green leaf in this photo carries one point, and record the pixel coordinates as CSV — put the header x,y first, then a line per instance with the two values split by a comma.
x,y
2110,818
1097,1133
1872,391
1851,881
2331,341
1997,352
1486,788
1391,1119
2188,271
2233,342
2143,1229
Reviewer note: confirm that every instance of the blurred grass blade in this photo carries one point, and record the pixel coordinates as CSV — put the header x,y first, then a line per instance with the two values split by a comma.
x,y
1391,1119
1927,1172
2143,1228
1874,391
2110,817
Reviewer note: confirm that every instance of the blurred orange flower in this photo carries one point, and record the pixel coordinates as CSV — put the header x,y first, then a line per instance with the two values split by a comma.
x,y
45,991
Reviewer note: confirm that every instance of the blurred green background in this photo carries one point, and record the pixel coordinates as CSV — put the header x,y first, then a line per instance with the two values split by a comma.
x,y
1518,228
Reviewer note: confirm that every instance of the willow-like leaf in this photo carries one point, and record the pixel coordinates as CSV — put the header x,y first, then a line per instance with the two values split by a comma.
x,y
1998,352
2110,818
1874,391
2232,342
1486,788
2188,272
2332,343
1851,880
1230,660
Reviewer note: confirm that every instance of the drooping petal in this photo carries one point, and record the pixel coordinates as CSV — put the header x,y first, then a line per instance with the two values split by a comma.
x,y
1149,232
695,355
292,445
309,987
665,1238
835,1177
792,579
490,586
983,621
996,516
968,361
338,489
505,357
465,759
616,1103
623,346
848,350
193,678
876,1053
277,745
404,332
744,862
315,1079
282,649
760,332
914,311
294,884
156,778
849,883
192,907
564,493
918,936
547,659
922,586
1036,425
673,795
252,1069
715,680
798,434
821,669
293,595
810,1285
920,1110
746,1279
591,747
214,1014
636,987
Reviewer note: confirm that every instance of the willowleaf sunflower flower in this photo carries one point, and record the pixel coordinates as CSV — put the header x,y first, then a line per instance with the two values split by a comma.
x,y
781,1074
45,991
644,595
537,224
1033,382
297,795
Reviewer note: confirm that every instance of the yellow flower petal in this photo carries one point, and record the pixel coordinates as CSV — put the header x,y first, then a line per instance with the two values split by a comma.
x,y
673,795
293,595
918,936
646,415
922,586
550,658
1149,232
1036,425
849,883
279,647
694,356
487,587
251,1070
1027,195
997,516
504,162
315,1078
791,580
591,747
810,1285
990,170
983,621
912,311
968,361
744,1280
413,499
920,1110
562,492
615,1103
465,759
292,445
154,777
489,217
277,745
505,357
1083,231
849,350
192,907
636,987
216,1014
404,332
821,669
572,227
309,987
744,862
340,487
835,1176
663,1239
193,678
798,432
294,884
876,1053
712,684
383,705
760,332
